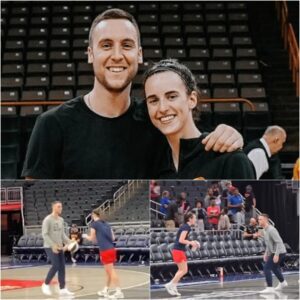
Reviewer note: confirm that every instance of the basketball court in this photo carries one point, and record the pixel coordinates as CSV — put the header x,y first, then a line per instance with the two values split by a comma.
x,y
24,282
234,289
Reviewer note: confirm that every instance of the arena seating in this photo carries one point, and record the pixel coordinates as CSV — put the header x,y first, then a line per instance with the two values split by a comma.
x,y
44,58
78,199
218,249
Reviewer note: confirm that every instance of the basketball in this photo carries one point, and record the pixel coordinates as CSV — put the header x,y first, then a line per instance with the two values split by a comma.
x,y
73,246
197,247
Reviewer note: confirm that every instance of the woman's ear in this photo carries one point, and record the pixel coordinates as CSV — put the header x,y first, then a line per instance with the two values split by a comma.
x,y
90,55
193,100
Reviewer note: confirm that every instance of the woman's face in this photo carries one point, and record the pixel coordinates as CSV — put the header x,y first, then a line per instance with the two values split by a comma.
x,y
169,106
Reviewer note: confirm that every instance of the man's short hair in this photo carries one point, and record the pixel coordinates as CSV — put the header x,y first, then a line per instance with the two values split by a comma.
x,y
265,216
55,202
275,129
114,13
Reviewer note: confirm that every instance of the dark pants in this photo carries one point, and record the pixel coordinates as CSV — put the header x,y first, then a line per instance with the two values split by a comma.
x,y
271,266
58,265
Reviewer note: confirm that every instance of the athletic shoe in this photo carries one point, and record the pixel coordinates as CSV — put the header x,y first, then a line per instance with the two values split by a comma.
x,y
268,290
117,295
73,260
170,289
281,285
46,289
65,292
176,291
103,293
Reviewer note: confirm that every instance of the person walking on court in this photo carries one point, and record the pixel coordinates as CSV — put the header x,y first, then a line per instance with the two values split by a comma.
x,y
178,252
102,233
274,255
55,244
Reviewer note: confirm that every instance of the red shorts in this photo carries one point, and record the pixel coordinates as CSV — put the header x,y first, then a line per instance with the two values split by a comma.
x,y
108,256
178,256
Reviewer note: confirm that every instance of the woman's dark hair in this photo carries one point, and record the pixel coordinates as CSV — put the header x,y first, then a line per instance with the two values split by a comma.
x,y
225,211
199,201
98,212
180,69
188,216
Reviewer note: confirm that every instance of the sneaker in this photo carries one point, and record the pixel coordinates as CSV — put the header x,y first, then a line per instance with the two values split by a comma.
x,y
65,292
46,289
103,293
73,260
176,291
268,290
281,285
170,288
117,295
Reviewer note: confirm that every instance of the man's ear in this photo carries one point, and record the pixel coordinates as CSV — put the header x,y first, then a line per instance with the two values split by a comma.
x,y
140,56
193,100
90,55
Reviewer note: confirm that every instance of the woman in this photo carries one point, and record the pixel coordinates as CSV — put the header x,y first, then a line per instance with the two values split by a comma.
x,y
75,235
178,252
102,233
171,95
201,215
224,222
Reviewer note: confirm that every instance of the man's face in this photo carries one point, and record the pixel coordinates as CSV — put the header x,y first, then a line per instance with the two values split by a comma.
x,y
115,54
253,222
236,192
262,221
277,143
57,208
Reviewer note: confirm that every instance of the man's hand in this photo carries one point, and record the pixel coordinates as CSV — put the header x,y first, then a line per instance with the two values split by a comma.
x,y
265,257
223,139
275,259
56,249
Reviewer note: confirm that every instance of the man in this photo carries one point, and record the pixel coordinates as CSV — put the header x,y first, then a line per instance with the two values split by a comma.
x,y
172,215
54,241
102,135
263,153
274,255
250,203
164,202
251,230
213,212
235,202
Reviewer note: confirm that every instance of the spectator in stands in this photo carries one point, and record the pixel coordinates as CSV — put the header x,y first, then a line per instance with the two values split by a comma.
x,y
164,202
224,222
240,217
213,212
263,153
225,193
208,197
171,95
55,243
249,203
105,134
216,190
201,215
154,190
251,230
184,203
172,215
274,255
75,235
235,202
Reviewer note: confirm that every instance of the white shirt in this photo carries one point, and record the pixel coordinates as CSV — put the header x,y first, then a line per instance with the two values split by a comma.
x,y
259,159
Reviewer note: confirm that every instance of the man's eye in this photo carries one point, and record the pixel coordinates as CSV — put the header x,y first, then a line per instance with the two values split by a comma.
x,y
152,101
172,96
106,46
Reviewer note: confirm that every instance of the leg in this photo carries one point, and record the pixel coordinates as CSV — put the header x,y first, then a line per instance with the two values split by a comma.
x,y
54,258
276,268
267,270
62,270
182,270
112,275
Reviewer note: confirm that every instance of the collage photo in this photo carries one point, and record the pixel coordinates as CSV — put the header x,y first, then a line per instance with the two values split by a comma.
x,y
150,150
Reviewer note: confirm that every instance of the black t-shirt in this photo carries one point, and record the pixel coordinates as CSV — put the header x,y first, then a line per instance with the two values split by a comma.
x,y
183,227
196,163
251,230
172,210
72,142
249,201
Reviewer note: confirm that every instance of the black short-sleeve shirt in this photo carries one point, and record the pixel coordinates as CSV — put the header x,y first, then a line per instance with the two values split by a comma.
x,y
72,142
177,244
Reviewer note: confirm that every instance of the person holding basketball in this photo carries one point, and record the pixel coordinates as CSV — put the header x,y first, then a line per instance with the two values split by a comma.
x,y
102,233
178,252
55,244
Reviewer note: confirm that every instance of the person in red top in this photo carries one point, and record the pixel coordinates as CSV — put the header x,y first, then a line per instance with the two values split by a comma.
x,y
213,212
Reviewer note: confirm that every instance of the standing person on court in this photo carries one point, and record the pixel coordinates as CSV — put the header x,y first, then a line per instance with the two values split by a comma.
x,y
105,134
274,255
178,252
55,243
102,233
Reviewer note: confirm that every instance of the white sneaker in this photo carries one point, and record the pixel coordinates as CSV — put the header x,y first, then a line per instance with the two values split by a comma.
x,y
170,288
73,260
176,291
65,292
117,295
46,289
103,293
281,285
268,290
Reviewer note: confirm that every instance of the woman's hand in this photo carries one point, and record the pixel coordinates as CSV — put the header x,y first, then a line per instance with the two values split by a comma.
x,y
223,139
